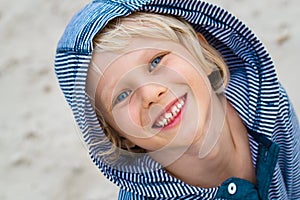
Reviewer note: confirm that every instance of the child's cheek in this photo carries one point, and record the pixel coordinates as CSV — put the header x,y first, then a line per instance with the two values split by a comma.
x,y
128,121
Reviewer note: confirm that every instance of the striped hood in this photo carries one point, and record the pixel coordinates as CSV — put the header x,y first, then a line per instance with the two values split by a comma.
x,y
253,88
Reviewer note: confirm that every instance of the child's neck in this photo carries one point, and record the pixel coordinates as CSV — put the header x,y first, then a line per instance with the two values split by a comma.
x,y
230,157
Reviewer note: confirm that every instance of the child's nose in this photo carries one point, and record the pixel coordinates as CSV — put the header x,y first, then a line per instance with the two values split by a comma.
x,y
151,93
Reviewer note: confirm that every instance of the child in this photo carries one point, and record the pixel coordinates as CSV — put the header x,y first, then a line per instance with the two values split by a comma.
x,y
179,100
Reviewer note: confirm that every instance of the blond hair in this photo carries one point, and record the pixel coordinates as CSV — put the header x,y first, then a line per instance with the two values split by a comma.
x,y
117,34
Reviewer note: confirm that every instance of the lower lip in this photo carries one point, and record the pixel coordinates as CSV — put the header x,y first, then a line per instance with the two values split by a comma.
x,y
177,119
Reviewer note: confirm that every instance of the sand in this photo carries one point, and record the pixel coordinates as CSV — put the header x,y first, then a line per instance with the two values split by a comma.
x,y
42,155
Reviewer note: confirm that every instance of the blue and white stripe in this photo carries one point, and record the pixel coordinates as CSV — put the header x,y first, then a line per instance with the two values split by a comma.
x,y
253,90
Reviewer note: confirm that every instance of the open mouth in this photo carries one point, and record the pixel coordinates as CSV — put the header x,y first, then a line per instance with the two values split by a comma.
x,y
171,114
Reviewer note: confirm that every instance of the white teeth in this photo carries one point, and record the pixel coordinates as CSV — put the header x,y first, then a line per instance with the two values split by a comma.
x,y
169,116
161,123
181,102
179,106
164,120
175,110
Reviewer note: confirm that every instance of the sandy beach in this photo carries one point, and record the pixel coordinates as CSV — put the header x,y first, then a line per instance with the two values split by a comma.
x,y
42,154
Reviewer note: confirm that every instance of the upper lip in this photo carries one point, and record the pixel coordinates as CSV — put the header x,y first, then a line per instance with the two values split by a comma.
x,y
167,109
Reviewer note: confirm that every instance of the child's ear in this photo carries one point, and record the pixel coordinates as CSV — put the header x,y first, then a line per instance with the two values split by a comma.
x,y
216,81
215,76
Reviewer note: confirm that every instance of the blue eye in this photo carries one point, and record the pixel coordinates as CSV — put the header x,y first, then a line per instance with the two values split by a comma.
x,y
154,63
122,96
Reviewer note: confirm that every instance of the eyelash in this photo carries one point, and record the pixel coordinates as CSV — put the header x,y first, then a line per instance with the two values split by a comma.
x,y
118,100
159,58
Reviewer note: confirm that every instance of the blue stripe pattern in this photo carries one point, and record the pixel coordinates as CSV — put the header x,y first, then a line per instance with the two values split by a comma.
x,y
254,91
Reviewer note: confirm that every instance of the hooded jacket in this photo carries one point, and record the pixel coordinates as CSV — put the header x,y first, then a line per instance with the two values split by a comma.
x,y
253,90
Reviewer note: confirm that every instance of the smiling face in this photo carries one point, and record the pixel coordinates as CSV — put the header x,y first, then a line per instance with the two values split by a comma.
x,y
154,94
148,82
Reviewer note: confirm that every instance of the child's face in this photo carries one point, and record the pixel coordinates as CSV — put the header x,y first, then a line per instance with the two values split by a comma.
x,y
154,94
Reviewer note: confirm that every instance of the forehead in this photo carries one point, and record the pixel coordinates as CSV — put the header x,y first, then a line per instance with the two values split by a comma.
x,y
138,47
135,47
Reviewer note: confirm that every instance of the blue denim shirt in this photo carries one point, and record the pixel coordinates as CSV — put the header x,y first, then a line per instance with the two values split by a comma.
x,y
235,188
